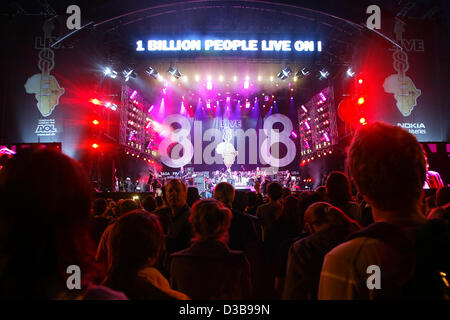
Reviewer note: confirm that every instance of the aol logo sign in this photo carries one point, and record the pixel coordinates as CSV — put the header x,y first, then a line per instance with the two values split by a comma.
x,y
264,144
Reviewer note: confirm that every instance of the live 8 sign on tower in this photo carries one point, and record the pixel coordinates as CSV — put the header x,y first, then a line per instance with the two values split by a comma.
x,y
179,149
44,86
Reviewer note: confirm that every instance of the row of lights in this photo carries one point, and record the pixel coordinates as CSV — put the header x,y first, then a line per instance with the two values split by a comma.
x,y
106,104
175,74
319,154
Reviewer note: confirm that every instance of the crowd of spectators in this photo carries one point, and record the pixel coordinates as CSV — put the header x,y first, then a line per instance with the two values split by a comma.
x,y
275,244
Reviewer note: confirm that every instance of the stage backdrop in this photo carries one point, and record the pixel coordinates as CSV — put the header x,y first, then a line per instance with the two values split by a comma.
x,y
215,143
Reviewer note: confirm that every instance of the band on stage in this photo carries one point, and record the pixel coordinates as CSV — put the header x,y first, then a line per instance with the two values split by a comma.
x,y
240,179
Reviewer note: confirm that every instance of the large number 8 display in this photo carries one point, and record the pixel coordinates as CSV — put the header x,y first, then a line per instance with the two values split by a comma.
x,y
278,137
182,136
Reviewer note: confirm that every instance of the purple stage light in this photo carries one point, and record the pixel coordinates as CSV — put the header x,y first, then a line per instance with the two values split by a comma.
x,y
294,134
325,135
246,84
307,125
150,109
247,105
228,99
304,109
133,94
209,85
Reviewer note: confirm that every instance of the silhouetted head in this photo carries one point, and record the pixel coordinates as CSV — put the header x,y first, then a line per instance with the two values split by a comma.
x,y
210,220
47,232
192,196
338,188
388,166
274,191
322,215
149,203
99,206
224,192
176,193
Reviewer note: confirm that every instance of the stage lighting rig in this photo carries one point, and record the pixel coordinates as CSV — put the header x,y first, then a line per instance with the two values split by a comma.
x,y
152,72
350,72
110,73
284,73
323,74
129,73
174,72
304,72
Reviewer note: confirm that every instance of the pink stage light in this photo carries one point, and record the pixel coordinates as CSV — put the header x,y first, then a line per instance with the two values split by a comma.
x,y
209,85
307,125
294,134
150,109
228,99
247,105
246,84
5,150
325,135
208,105
182,109
304,109
133,94
322,96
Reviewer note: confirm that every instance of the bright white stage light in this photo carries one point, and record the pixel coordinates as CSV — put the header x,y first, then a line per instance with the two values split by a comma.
x,y
350,72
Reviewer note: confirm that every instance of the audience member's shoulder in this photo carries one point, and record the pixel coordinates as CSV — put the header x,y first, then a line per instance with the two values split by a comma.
x,y
95,292
352,248
181,253
238,256
162,211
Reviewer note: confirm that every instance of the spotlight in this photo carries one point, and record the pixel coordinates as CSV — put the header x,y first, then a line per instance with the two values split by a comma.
x,y
304,72
350,72
174,72
109,72
129,73
95,101
284,73
246,84
323,74
361,100
133,94
152,72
